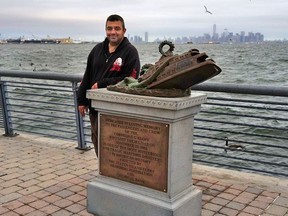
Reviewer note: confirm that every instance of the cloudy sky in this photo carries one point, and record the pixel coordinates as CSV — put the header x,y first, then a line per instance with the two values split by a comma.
x,y
85,19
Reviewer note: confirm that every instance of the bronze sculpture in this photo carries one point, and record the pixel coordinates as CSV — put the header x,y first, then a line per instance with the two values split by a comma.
x,y
171,76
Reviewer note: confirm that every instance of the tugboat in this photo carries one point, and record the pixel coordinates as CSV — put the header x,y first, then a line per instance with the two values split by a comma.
x,y
172,75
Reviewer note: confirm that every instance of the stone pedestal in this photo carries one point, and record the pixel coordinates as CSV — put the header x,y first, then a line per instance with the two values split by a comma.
x,y
145,155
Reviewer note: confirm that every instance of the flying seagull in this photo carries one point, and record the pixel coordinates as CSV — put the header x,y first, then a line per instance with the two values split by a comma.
x,y
206,10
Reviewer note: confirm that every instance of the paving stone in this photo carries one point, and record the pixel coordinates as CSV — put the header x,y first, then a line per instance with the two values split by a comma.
x,y
54,179
236,205
258,204
253,210
254,190
270,194
9,197
276,210
29,190
10,213
246,214
76,198
75,188
233,191
248,195
41,194
3,210
62,212
212,207
13,205
38,204
50,209
211,192
64,193
264,199
226,196
75,208
36,213
243,200
229,211
11,182
219,201
206,212
85,213
281,201
24,210
52,199
218,187
204,184
206,197
63,203
239,187
11,189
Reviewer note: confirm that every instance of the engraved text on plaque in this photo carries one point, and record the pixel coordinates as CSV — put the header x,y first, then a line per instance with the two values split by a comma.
x,y
134,150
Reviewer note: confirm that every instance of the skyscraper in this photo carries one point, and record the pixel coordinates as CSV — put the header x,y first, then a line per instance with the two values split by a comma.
x,y
146,37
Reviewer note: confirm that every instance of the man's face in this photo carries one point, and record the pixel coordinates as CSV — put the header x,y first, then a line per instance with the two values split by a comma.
x,y
115,32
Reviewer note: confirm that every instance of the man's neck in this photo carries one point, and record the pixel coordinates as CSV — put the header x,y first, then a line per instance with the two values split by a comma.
x,y
113,46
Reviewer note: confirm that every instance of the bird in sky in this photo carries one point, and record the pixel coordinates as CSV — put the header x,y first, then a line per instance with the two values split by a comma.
x,y
206,10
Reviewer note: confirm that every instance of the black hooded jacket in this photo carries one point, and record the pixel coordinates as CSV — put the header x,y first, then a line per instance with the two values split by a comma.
x,y
108,69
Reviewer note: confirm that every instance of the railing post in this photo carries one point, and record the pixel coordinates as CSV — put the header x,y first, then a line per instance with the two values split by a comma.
x,y
79,122
6,117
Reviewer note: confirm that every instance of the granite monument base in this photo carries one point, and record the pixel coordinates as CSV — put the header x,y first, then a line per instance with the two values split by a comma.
x,y
145,155
112,200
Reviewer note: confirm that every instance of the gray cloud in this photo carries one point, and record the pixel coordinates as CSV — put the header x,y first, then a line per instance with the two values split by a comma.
x,y
179,18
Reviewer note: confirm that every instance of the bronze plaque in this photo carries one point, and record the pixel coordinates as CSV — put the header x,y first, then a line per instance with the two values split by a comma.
x,y
134,150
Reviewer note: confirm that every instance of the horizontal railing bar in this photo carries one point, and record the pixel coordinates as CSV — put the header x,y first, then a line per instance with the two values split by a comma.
x,y
249,107
50,135
239,167
42,75
31,88
239,132
247,101
45,128
241,124
25,84
46,122
241,159
42,108
242,142
208,86
42,102
16,108
242,89
34,86
41,95
246,151
245,115
44,89
43,115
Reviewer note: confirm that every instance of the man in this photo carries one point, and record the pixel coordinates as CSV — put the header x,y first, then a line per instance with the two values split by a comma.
x,y
108,63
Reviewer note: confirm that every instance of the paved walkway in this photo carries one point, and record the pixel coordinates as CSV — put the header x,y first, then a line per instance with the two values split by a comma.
x,y
42,176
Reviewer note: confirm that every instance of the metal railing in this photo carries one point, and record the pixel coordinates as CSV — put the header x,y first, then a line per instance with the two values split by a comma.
x,y
44,104
243,127
240,127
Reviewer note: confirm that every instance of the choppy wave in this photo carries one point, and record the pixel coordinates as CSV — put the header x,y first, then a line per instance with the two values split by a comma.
x,y
264,63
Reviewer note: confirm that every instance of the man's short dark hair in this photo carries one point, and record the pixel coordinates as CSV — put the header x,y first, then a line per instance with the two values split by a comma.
x,y
115,17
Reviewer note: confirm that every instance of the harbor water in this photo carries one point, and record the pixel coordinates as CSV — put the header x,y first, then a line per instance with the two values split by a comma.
x,y
252,64
264,63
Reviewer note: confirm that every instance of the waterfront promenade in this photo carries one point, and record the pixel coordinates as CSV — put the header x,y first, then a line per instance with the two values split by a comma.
x,y
43,176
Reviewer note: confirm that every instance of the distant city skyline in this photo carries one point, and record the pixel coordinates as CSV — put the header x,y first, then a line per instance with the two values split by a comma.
x,y
224,37
86,20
